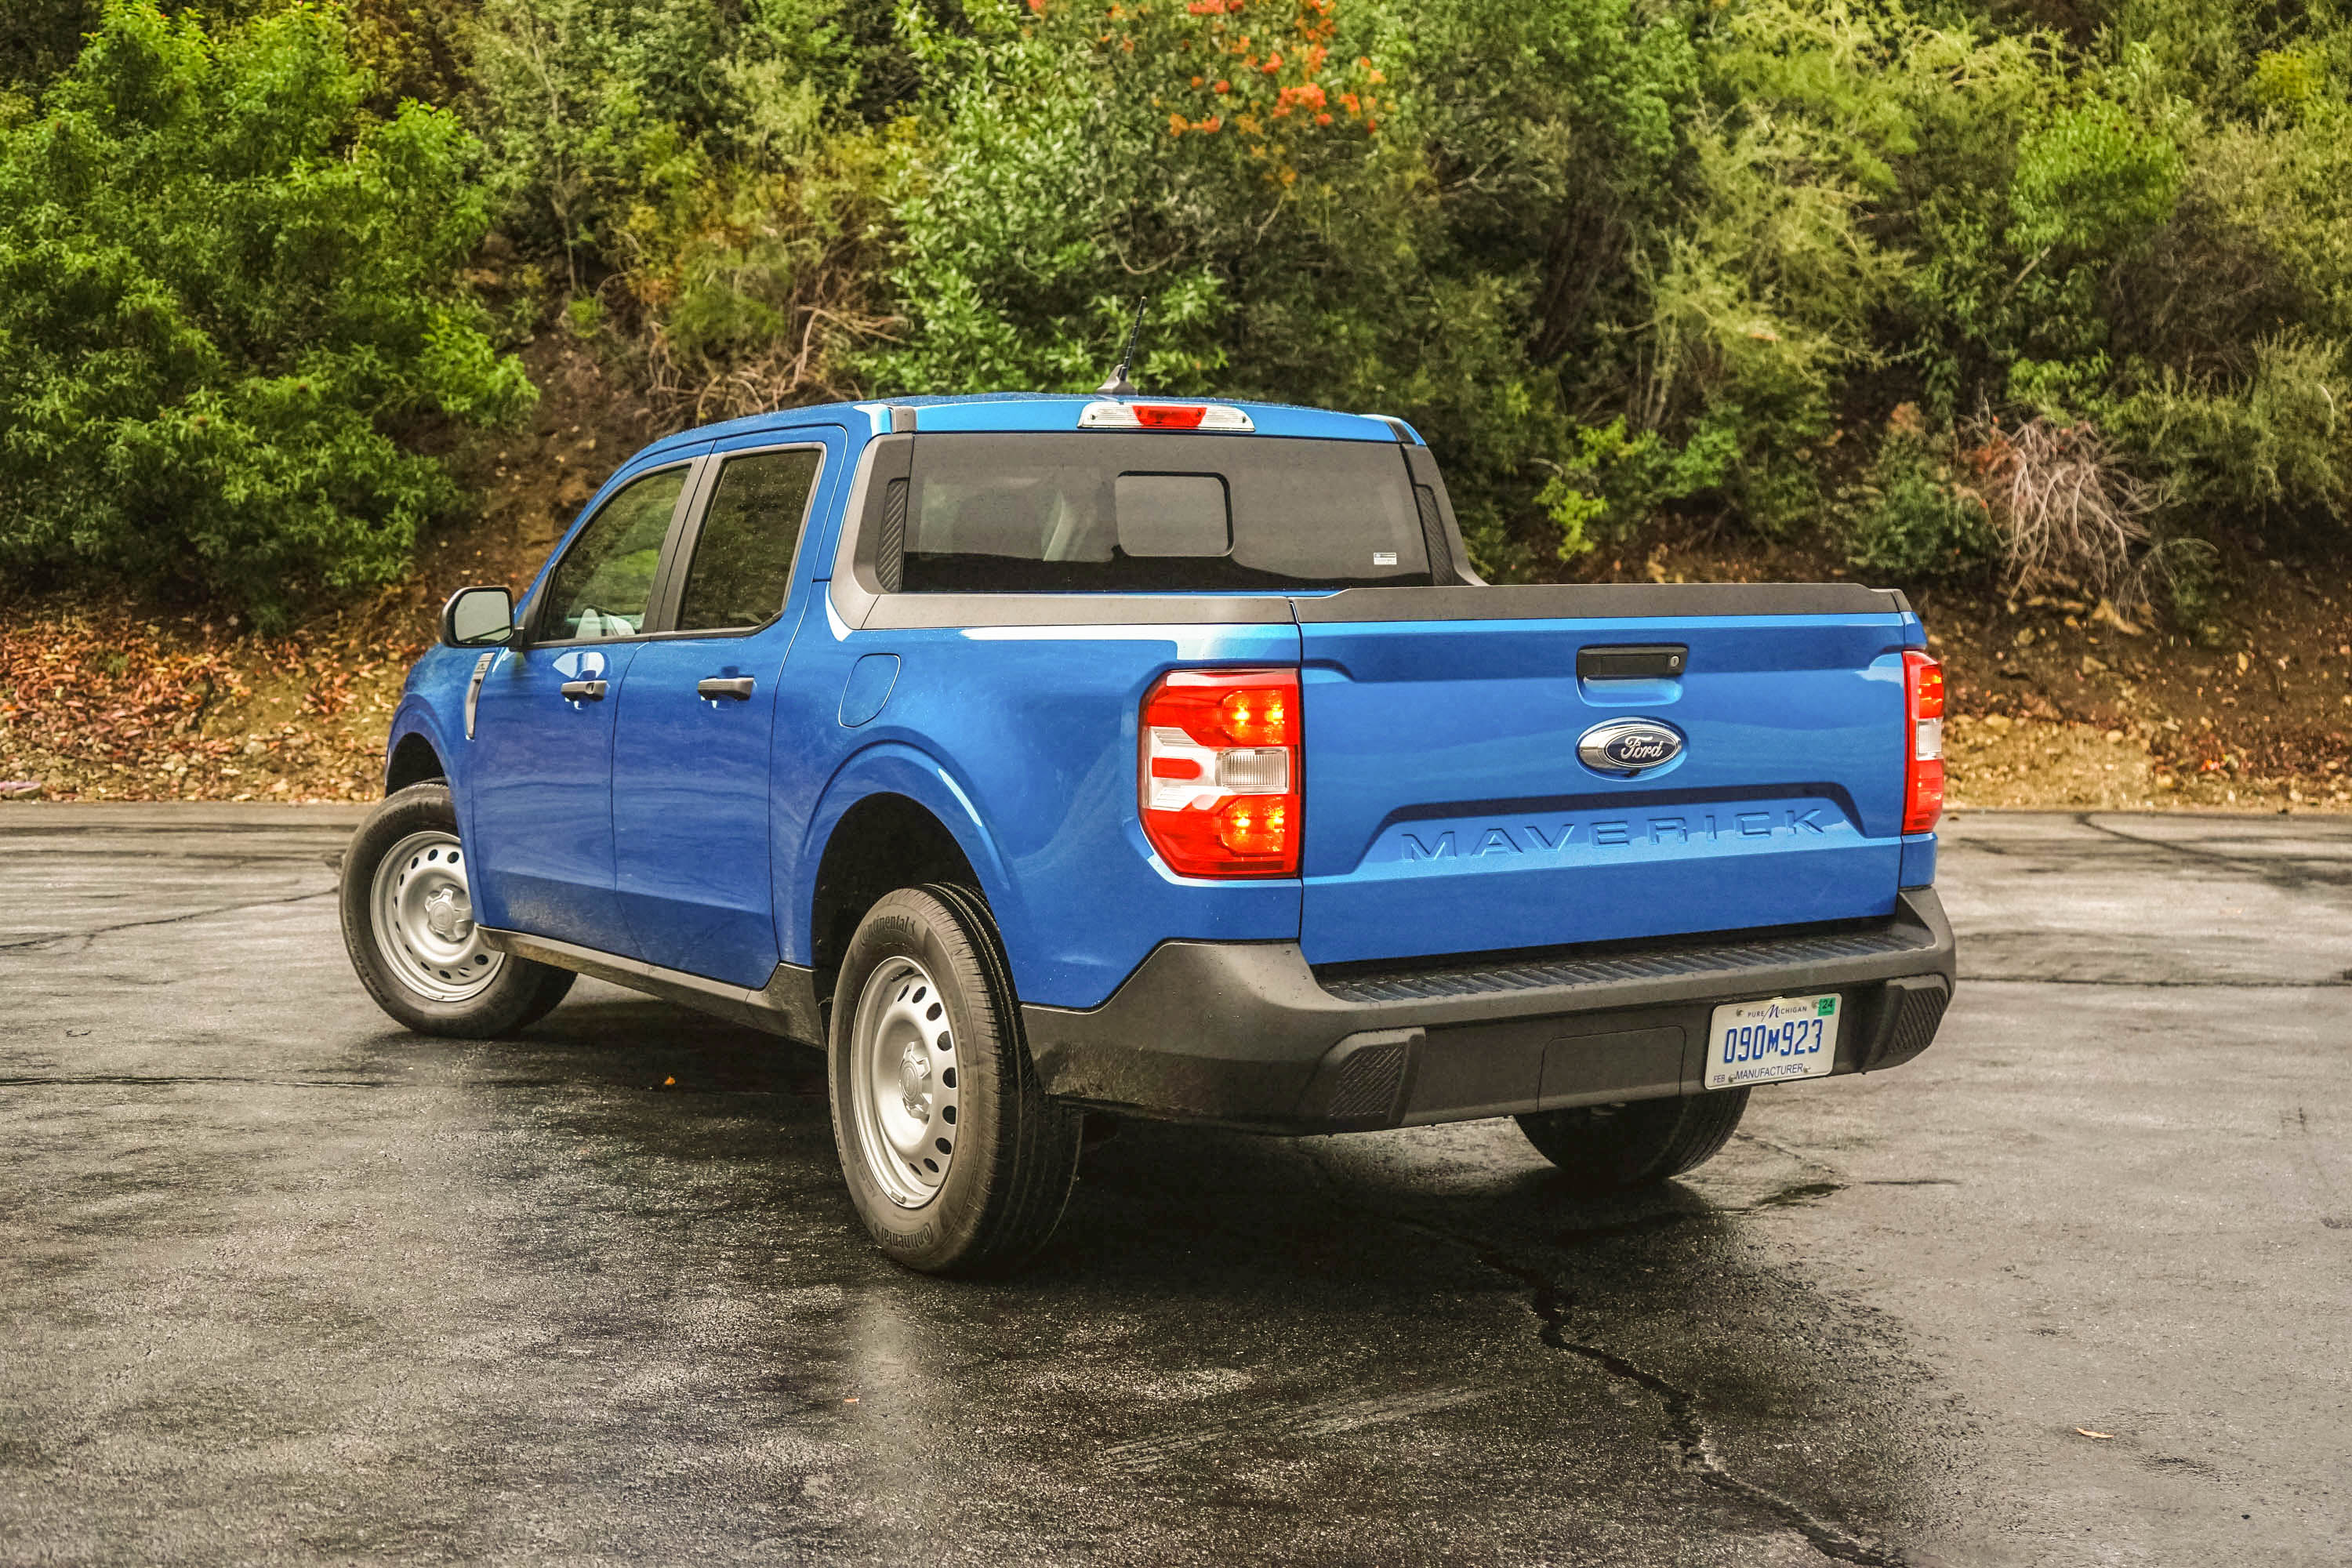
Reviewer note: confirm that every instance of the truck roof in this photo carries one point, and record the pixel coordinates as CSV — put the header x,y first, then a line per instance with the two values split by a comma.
x,y
1033,411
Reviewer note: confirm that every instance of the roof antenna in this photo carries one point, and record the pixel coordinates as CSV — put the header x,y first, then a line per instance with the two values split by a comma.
x,y
1117,386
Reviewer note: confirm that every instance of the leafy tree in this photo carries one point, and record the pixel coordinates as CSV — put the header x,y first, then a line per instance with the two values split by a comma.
x,y
695,179
225,296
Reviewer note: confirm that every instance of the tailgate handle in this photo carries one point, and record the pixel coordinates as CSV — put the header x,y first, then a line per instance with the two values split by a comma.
x,y
1632,661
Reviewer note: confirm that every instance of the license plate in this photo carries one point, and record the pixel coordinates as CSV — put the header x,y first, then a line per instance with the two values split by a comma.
x,y
1772,1041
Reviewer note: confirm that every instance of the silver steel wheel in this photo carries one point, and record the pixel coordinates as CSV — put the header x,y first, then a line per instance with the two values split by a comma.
x,y
902,1081
424,919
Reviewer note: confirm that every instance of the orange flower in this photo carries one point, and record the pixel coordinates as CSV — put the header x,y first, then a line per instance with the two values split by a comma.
x,y
1211,125
1348,102
1197,81
1222,86
1324,119
1273,64
1175,125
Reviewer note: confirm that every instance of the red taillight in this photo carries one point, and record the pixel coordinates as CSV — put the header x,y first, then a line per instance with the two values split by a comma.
x,y
1923,734
1169,416
1219,776
1109,413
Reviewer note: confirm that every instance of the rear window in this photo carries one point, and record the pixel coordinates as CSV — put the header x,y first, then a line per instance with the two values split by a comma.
x,y
1158,513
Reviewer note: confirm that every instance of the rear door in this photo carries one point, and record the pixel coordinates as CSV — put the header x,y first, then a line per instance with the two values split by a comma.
x,y
1447,809
696,717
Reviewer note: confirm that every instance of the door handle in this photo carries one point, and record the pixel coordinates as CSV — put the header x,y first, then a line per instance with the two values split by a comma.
x,y
582,691
737,687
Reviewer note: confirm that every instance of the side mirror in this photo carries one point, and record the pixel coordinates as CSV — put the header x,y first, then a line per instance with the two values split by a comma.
x,y
478,617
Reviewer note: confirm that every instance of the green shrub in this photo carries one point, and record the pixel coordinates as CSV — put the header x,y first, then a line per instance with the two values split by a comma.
x,y
2276,445
1912,516
1618,480
224,295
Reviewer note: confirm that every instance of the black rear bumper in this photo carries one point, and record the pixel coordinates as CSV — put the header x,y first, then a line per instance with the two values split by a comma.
x,y
1247,1035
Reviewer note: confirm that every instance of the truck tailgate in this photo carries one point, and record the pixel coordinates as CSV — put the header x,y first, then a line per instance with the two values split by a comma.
x,y
1446,810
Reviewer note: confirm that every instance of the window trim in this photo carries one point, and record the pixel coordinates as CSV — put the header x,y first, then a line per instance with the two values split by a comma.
x,y
677,560
544,610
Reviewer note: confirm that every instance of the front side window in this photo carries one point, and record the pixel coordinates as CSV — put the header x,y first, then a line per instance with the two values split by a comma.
x,y
605,583
742,563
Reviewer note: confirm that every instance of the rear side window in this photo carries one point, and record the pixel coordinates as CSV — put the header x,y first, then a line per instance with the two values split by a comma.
x,y
1158,513
742,563
602,583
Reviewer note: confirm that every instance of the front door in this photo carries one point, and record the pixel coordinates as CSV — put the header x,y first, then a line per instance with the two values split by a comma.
x,y
695,720
541,835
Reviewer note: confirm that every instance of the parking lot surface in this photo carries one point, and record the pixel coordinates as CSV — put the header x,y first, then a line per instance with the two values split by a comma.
x,y
281,1282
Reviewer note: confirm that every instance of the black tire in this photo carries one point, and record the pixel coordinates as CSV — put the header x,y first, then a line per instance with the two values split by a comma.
x,y
1012,1152
519,993
1610,1147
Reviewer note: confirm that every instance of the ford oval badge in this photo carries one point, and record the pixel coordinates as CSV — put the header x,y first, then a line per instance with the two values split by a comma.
x,y
1628,746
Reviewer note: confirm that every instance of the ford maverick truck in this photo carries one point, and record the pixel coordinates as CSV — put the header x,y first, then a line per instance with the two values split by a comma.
x,y
1041,755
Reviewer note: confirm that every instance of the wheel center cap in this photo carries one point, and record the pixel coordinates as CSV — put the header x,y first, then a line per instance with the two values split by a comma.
x,y
915,1081
449,914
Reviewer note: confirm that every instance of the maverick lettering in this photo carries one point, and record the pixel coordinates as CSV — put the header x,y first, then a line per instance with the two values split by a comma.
x,y
1533,837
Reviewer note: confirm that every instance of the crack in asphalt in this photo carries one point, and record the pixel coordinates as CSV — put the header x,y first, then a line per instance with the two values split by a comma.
x,y
1687,1435
1686,1425
24,943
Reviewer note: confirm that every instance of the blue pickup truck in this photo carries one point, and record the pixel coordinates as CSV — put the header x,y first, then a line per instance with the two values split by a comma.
x,y
1039,755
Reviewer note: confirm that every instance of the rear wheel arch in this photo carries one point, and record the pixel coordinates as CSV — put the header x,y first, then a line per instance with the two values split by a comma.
x,y
884,842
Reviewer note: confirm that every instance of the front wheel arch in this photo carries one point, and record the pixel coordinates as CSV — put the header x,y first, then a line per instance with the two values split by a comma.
x,y
414,760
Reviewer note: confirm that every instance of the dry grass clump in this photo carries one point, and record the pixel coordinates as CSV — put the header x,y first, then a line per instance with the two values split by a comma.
x,y
2067,512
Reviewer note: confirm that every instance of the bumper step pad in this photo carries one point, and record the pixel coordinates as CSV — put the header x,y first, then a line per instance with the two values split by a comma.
x,y
1603,968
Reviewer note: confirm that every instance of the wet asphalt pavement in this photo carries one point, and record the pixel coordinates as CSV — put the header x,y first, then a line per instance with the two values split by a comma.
x,y
283,1283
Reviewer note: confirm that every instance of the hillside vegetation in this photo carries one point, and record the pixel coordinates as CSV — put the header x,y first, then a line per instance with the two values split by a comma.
x,y
2020,305
2058,291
